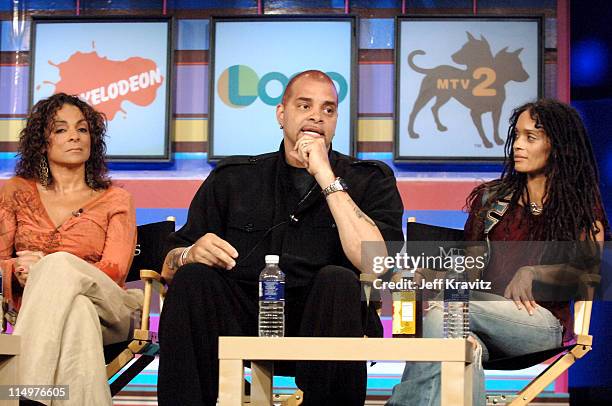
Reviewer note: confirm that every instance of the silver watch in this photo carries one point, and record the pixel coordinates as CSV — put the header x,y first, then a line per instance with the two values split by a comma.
x,y
338,185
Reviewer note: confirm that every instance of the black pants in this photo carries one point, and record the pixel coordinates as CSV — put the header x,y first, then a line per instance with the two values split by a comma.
x,y
204,303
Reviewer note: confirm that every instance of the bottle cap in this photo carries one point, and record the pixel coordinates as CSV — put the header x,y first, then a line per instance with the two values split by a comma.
x,y
271,259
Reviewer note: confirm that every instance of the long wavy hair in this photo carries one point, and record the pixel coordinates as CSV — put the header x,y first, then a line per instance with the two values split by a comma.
x,y
572,200
34,140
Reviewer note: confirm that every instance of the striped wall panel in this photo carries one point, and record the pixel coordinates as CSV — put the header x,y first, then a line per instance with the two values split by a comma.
x,y
190,102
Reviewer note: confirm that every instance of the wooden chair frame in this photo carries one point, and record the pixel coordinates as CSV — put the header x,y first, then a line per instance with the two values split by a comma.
x,y
570,354
144,342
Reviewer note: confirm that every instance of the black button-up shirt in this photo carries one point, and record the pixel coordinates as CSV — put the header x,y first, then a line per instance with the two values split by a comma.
x,y
251,202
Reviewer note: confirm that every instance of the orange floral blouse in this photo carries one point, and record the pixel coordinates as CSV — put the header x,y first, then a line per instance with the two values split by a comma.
x,y
104,234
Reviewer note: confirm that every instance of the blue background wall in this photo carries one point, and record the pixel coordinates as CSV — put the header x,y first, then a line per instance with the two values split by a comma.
x,y
591,382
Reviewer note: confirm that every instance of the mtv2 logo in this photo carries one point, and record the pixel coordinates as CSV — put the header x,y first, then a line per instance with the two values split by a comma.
x,y
481,86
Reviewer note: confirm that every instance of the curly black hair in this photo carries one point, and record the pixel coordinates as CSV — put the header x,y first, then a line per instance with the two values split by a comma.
x,y
573,201
34,139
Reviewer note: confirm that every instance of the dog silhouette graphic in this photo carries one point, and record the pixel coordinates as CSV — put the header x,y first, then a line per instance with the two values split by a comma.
x,y
481,86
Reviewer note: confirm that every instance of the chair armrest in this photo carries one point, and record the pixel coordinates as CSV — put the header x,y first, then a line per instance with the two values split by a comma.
x,y
158,282
368,278
152,281
147,274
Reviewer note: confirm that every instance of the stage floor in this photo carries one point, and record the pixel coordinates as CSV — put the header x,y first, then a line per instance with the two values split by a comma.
x,y
382,376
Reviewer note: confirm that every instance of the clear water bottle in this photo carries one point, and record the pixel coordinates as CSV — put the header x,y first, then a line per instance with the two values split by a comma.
x,y
456,306
271,299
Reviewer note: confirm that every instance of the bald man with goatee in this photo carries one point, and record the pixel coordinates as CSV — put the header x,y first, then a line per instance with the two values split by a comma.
x,y
307,203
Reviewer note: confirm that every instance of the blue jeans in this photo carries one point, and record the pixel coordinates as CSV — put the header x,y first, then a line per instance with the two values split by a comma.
x,y
500,329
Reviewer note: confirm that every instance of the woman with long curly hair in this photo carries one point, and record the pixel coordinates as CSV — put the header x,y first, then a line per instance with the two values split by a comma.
x,y
67,238
544,221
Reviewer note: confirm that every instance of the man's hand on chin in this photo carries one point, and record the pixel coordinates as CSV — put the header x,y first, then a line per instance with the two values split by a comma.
x,y
313,153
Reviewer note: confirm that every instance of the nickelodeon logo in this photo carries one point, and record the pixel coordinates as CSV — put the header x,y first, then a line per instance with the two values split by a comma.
x,y
239,86
107,83
122,87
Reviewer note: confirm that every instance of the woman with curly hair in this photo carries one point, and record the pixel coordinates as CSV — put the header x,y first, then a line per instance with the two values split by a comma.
x,y
67,238
548,192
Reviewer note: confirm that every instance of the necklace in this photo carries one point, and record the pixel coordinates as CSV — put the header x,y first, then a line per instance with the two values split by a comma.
x,y
535,209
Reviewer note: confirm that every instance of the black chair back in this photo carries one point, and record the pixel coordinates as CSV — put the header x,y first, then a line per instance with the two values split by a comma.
x,y
429,240
150,248
426,232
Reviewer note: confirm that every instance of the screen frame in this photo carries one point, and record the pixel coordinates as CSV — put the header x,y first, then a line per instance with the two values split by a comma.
x,y
416,159
166,155
353,19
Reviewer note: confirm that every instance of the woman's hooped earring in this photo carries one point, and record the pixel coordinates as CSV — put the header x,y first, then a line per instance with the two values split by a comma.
x,y
280,126
43,172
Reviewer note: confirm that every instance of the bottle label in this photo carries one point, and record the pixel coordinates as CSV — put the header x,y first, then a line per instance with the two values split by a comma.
x,y
272,291
407,312
404,313
456,295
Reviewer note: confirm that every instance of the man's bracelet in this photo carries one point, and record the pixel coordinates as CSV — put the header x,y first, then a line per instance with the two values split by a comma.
x,y
184,254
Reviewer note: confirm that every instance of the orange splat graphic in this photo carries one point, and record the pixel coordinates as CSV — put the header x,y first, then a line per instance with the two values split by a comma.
x,y
135,79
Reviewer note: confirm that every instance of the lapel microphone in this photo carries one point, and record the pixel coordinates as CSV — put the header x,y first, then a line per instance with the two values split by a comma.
x,y
77,213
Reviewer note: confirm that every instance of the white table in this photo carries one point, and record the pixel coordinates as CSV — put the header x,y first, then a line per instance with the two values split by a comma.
x,y
454,354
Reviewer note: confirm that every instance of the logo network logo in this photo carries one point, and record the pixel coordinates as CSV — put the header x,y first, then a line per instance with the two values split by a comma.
x,y
239,86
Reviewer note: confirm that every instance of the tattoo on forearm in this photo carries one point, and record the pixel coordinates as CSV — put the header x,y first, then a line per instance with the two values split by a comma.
x,y
362,215
172,261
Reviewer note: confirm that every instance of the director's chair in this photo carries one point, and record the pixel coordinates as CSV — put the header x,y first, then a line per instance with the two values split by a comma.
x,y
566,355
148,258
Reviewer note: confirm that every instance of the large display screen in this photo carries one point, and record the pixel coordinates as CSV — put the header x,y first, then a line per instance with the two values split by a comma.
x,y
251,62
121,67
458,80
